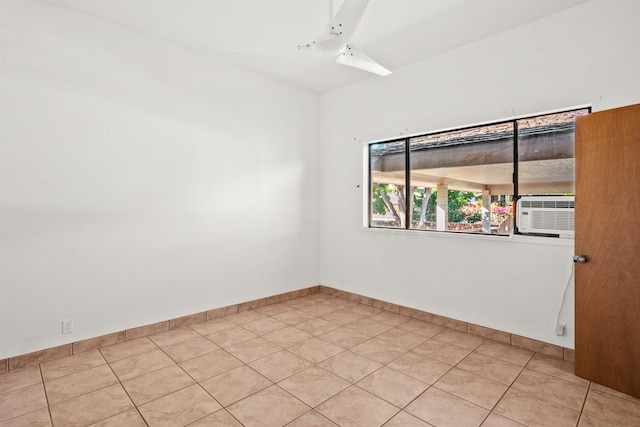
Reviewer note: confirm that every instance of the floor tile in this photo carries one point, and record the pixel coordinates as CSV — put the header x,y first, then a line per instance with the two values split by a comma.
x,y
378,350
443,409
350,366
126,349
318,309
312,418
131,418
69,365
365,310
210,365
221,418
458,338
39,418
621,411
591,421
403,419
442,351
270,407
314,385
264,326
236,384
515,355
421,327
22,401
345,337
402,338
92,407
356,407
293,317
393,319
280,365
140,364
273,309
20,378
253,349
317,326
211,326
174,336
393,386
369,326
420,367
288,336
552,388
156,384
529,409
315,350
339,303
474,388
80,383
490,367
189,349
495,420
298,302
557,368
180,408
342,316
228,337
245,317
601,388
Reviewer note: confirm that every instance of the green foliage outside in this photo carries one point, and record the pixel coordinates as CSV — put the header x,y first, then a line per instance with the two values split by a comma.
x,y
458,200
377,204
459,203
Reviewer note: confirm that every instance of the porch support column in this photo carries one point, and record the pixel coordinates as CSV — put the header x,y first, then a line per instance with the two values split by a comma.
x,y
442,211
486,211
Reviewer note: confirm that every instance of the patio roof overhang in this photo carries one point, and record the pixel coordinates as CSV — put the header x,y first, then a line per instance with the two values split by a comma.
x,y
545,161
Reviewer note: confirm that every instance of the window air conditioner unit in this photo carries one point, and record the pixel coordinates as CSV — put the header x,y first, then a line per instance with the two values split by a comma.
x,y
546,215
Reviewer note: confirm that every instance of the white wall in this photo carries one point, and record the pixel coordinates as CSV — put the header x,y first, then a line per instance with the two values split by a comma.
x,y
141,182
586,55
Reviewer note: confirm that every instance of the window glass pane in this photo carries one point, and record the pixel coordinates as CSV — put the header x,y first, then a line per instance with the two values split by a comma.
x,y
387,178
462,180
546,164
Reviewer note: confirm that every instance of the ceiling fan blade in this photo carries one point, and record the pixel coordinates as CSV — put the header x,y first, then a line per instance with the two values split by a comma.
x,y
348,17
353,57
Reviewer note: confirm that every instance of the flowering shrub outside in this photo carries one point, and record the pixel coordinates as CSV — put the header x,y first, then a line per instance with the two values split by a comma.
x,y
500,212
472,212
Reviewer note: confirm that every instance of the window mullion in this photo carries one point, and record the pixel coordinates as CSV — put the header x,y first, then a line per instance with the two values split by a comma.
x,y
515,173
408,197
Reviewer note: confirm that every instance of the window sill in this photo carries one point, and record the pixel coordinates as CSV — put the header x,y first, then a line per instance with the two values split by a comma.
x,y
513,239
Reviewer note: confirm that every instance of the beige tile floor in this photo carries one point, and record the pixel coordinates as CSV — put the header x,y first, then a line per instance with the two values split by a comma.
x,y
312,361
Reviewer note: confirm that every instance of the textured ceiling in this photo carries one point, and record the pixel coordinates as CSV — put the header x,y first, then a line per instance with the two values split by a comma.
x,y
262,35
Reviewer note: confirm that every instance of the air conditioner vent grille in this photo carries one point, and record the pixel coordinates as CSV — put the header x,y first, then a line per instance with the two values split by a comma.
x,y
548,204
552,220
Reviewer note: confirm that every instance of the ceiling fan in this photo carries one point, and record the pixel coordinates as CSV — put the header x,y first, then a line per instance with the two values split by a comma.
x,y
337,40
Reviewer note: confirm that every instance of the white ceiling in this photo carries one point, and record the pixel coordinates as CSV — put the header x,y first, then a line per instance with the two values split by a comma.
x,y
266,32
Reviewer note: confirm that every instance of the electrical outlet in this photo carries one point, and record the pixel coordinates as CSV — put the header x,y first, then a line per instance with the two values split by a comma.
x,y
560,328
67,326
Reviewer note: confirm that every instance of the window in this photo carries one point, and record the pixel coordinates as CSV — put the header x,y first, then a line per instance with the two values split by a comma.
x,y
466,180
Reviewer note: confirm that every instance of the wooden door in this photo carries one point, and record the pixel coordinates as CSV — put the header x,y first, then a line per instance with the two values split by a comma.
x,y
607,227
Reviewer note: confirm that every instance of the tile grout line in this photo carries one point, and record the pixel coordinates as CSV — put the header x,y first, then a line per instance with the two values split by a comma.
x,y
125,390
46,395
196,382
584,402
